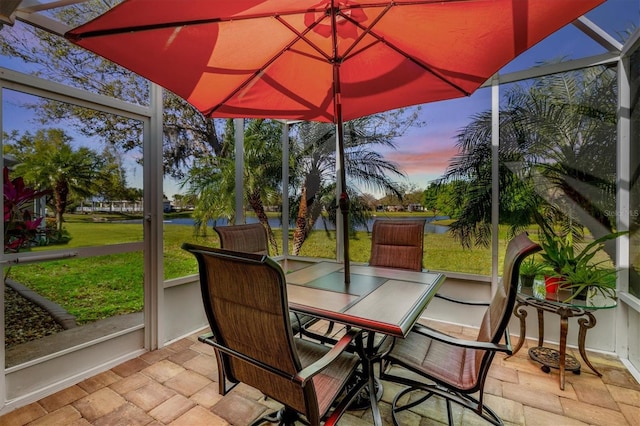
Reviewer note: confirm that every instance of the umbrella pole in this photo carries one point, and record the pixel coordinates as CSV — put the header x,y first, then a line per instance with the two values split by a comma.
x,y
344,208
343,201
337,108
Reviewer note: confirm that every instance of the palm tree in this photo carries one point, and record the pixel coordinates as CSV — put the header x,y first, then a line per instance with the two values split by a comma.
x,y
213,178
48,161
315,167
556,157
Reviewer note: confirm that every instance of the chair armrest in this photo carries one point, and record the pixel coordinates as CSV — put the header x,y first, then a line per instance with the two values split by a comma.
x,y
341,346
471,344
462,302
306,373
205,337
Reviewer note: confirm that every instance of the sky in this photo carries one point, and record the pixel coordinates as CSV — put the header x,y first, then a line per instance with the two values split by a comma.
x,y
422,153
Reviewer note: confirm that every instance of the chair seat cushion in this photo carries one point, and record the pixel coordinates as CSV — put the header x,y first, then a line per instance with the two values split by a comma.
x,y
438,361
332,379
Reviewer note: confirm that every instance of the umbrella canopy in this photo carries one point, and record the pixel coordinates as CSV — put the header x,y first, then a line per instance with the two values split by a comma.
x,y
328,60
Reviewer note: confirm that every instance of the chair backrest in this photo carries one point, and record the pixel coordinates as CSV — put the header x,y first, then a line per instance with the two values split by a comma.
x,y
397,244
245,300
249,238
497,316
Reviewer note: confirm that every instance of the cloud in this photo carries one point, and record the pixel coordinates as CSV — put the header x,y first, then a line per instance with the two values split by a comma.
x,y
431,162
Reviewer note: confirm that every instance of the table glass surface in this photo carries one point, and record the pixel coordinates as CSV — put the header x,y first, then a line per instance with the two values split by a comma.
x,y
377,299
593,301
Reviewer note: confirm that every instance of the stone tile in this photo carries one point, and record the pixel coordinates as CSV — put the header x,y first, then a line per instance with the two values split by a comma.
x,y
130,367
349,419
204,349
545,383
99,403
163,370
624,395
592,414
187,382
238,410
79,422
149,396
248,392
208,396
172,408
592,391
532,397
126,415
501,370
620,377
204,365
199,416
536,417
180,345
130,383
23,415
63,416
435,408
507,409
157,355
523,364
183,356
631,413
99,381
62,398
493,386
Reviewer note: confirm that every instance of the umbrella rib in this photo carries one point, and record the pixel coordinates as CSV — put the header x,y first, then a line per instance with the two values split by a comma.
x,y
172,24
366,30
369,30
302,35
299,36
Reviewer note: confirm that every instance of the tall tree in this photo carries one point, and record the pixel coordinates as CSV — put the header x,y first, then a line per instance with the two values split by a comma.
x,y
186,133
47,160
113,177
556,156
315,166
213,178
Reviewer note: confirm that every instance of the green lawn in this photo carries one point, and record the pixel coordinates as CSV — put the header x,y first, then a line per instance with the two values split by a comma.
x,y
100,287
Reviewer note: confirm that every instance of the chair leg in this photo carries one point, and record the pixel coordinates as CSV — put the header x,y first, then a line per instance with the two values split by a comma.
x,y
464,400
449,413
282,417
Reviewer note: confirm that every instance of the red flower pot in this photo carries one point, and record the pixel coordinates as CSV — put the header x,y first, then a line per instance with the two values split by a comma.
x,y
551,284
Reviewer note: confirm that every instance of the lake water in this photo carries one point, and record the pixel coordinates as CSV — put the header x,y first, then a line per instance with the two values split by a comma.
x,y
320,225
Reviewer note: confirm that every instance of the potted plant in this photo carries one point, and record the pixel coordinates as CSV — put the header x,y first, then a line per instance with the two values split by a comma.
x,y
590,278
573,268
529,269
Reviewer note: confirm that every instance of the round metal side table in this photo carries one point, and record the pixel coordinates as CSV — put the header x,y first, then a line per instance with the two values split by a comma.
x,y
537,298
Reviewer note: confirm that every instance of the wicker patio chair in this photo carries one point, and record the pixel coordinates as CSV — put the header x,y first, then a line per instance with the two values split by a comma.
x,y
456,368
249,238
245,299
397,244
252,238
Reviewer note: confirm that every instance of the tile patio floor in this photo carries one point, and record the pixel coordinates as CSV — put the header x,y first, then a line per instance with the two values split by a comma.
x,y
177,386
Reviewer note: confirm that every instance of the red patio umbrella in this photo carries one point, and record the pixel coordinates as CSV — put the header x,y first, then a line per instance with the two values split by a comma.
x,y
330,60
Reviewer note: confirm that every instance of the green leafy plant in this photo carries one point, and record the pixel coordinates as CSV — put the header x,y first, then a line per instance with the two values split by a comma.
x,y
576,268
560,253
529,269
591,277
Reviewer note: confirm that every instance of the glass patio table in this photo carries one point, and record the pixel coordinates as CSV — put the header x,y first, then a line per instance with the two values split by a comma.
x,y
557,302
378,300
